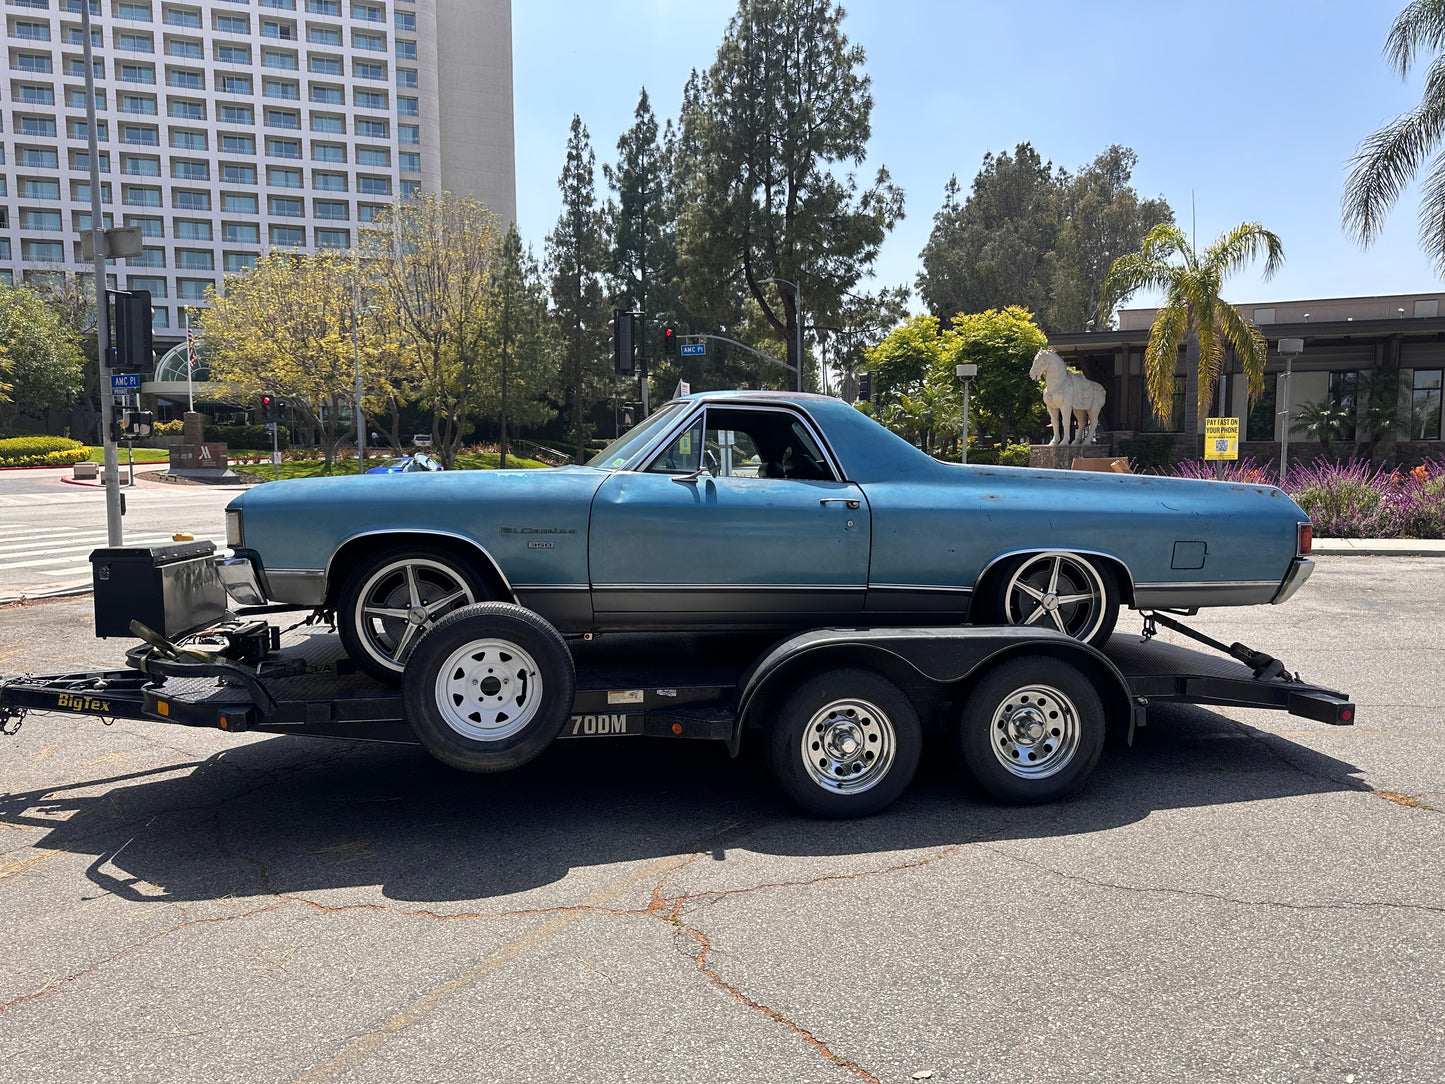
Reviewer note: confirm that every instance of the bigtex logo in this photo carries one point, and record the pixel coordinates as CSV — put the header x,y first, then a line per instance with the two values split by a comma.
x,y
77,702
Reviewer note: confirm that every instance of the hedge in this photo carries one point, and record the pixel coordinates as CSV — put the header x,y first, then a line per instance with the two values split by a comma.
x,y
246,436
42,452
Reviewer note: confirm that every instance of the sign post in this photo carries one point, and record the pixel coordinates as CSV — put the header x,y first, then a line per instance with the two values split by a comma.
x,y
1221,442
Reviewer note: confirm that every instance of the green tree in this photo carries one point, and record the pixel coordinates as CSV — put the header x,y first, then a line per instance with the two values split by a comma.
x,y
1193,314
1390,158
1002,343
40,358
576,256
993,249
770,137
1101,218
519,341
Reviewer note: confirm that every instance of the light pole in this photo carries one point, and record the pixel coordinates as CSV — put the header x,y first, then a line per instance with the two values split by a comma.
x,y
798,312
965,373
356,364
1289,349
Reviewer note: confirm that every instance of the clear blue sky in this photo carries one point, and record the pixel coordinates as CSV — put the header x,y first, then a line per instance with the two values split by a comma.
x,y
1255,108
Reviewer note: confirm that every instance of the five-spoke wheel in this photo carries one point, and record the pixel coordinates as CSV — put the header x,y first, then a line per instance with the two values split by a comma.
x,y
1031,730
394,598
845,743
1057,590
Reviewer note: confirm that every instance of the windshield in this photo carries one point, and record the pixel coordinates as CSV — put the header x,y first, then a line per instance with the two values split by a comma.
x,y
630,443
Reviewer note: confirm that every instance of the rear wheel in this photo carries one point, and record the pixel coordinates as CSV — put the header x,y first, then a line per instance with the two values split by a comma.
x,y
391,600
1057,590
1031,730
489,687
845,743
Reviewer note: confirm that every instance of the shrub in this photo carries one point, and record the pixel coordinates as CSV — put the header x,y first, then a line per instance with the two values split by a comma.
x,y
169,429
1148,451
41,452
246,436
1242,470
1011,455
1346,500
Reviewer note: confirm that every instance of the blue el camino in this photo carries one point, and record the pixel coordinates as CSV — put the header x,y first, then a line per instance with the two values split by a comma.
x,y
759,510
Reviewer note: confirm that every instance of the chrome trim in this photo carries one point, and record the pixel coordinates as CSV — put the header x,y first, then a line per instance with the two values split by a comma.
x,y
1059,549
664,586
919,587
1149,596
551,586
1299,571
423,531
777,408
1164,584
238,576
305,587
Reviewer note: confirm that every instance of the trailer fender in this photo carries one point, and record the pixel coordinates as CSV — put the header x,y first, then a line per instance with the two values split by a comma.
x,y
948,658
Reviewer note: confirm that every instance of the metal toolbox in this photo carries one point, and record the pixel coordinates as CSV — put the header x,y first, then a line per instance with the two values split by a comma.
x,y
173,589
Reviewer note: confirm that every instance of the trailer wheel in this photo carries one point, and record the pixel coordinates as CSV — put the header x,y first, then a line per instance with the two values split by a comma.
x,y
489,687
845,743
1031,730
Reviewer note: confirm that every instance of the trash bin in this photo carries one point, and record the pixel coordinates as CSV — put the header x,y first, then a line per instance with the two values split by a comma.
x,y
172,589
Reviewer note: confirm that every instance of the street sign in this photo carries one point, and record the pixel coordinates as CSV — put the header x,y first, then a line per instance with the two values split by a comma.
x,y
1221,438
692,350
121,383
276,459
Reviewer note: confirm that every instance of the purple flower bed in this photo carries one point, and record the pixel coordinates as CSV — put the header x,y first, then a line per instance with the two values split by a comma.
x,y
1354,499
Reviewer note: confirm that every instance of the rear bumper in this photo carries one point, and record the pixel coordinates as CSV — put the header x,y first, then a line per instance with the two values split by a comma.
x,y
1299,571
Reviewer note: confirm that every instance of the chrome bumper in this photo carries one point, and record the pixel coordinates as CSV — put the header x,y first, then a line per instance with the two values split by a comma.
x,y
1299,571
240,580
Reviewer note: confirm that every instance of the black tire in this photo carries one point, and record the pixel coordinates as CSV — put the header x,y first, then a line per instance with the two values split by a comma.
x,y
1009,596
1031,731
489,687
380,645
875,736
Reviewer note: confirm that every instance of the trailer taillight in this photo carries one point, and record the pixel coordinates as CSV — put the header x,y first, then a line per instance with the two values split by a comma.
x,y
1306,539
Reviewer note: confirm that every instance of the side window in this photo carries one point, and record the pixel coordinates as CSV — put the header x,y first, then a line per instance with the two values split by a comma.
x,y
683,455
737,455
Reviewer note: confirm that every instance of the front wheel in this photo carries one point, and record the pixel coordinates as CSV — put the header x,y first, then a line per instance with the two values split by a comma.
x,y
1031,730
845,743
489,688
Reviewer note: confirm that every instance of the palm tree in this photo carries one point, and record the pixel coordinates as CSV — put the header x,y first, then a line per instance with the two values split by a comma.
x,y
1193,314
1388,160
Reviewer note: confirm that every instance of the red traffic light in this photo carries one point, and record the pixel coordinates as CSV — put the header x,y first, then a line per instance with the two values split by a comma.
x,y
669,341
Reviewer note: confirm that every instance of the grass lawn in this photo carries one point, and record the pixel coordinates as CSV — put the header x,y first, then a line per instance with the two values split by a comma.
x,y
316,468
142,455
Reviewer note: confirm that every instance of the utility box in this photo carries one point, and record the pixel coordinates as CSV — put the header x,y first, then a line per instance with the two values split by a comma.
x,y
172,589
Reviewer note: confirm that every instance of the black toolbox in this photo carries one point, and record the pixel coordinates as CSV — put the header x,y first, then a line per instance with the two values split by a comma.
x,y
172,589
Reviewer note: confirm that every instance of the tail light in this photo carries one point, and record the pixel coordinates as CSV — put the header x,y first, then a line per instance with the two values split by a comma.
x,y
1306,539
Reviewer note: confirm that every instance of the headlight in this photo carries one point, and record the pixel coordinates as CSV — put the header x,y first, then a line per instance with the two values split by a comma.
x,y
234,536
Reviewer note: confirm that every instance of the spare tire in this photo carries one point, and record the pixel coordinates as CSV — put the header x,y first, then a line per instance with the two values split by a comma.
x,y
489,687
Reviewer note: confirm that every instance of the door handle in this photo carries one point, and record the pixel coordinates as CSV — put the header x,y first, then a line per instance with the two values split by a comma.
x,y
849,501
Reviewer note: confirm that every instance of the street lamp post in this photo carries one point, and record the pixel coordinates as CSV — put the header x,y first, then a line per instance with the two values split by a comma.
x,y
356,365
1289,349
965,373
798,309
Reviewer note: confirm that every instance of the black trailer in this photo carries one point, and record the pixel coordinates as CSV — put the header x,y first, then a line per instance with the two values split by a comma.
x,y
841,711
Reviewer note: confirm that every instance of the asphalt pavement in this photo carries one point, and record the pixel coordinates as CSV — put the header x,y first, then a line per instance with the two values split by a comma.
x,y
1241,896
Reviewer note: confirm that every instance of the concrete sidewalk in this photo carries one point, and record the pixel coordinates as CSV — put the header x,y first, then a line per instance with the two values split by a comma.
x,y
1380,547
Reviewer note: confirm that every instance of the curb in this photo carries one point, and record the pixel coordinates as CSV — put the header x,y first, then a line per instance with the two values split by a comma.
x,y
56,592
1379,547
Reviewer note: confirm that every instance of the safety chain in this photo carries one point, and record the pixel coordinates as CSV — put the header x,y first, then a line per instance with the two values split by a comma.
x,y
1150,629
12,718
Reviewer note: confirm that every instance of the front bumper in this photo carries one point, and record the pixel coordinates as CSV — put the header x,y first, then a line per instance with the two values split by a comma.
x,y
238,575
1299,571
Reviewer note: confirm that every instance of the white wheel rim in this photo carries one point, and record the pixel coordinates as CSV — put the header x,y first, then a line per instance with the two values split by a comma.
x,y
1034,732
848,746
488,690
1059,591
402,600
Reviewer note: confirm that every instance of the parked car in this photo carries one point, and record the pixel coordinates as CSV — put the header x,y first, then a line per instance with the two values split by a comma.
x,y
407,464
760,510
421,440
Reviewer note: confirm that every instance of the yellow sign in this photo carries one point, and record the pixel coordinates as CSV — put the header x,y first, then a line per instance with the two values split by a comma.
x,y
1221,438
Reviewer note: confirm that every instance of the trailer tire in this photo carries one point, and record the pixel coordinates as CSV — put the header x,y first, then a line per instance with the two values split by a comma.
x,y
489,687
845,743
1031,731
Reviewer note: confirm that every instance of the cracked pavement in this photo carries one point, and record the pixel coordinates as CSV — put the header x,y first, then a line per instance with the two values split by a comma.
x,y
1241,896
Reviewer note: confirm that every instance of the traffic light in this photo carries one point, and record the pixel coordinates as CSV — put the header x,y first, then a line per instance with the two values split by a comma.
x,y
865,387
669,341
133,349
623,360
270,408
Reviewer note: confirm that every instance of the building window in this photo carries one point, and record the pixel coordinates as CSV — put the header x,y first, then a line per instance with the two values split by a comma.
x,y
410,188
406,50
238,203
1428,309
80,192
323,35
373,186
74,66
371,129
75,98
409,162
138,12
33,31
324,65
149,227
333,238
1262,420
281,31
195,259
185,80
406,77
149,257
32,188
237,174
189,229
185,170
334,210
133,195
80,161
43,251
140,165
276,88
323,7
277,177
135,43
78,129
327,152
272,59
233,54
1174,423
288,236
1425,405
183,110
1343,395
42,96
193,289
141,134
82,221
156,287
39,158
40,220
366,69
285,207
329,123
328,182
373,156
237,114
238,144
181,48
237,262
43,127
283,118
241,233
371,43
37,62
404,20
160,317
143,104
408,107
370,99
236,84
283,148
408,133
284,5
186,200
181,17
233,24
369,212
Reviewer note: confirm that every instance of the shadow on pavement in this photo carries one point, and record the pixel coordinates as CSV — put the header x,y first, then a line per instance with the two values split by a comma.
x,y
297,815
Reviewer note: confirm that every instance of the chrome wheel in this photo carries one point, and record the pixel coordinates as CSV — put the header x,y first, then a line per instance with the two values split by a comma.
x,y
1060,591
488,690
1035,731
401,600
848,746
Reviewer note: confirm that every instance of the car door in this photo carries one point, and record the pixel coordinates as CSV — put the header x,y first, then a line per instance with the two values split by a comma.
x,y
765,534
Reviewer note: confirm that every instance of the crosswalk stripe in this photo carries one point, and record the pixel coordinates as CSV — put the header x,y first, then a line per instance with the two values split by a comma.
x,y
70,557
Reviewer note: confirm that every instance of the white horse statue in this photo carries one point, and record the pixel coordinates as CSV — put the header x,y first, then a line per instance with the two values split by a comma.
x,y
1068,396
